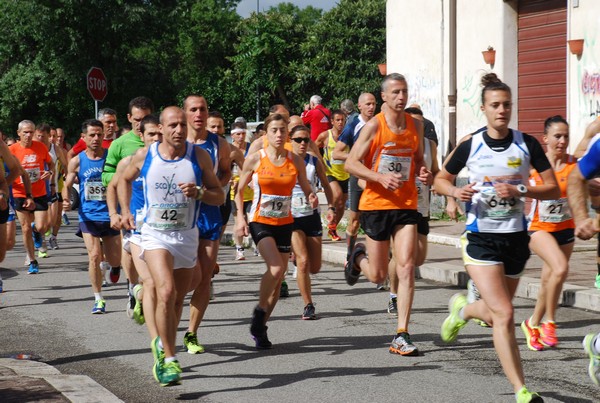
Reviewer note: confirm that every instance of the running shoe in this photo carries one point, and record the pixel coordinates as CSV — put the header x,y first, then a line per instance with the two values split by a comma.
x,y
403,345
104,267
159,358
393,306
351,270
258,330
211,292
525,396
598,280
130,304
37,237
332,232
170,374
532,334
256,252
190,341
53,242
309,312
1,286
115,273
138,309
239,254
453,322
34,268
42,253
284,291
594,367
385,286
472,292
548,334
65,219
99,307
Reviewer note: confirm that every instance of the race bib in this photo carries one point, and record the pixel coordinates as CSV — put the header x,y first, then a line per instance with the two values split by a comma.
x,y
300,205
395,164
168,217
95,191
34,174
554,211
500,208
275,206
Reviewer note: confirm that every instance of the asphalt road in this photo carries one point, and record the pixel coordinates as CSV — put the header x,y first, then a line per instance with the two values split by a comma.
x,y
341,357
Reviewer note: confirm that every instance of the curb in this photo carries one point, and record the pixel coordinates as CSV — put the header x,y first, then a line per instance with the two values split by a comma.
x,y
76,388
572,295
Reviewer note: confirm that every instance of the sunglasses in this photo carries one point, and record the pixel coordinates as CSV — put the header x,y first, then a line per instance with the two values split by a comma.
x,y
301,139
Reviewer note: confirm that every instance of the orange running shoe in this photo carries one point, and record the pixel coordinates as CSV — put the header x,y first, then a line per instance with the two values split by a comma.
x,y
333,233
532,334
548,334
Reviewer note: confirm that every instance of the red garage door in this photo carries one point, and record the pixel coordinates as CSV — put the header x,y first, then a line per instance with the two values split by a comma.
x,y
542,63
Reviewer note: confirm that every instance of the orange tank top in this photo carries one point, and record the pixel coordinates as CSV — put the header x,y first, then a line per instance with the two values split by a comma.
x,y
553,215
34,160
391,152
273,187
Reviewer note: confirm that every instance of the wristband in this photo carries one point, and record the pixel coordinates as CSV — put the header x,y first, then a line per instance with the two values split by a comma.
x,y
29,196
332,209
200,193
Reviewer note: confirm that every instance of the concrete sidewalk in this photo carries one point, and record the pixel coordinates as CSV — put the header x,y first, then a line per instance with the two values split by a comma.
x,y
24,380
444,264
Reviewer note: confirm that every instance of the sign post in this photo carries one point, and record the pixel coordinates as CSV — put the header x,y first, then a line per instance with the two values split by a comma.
x,y
97,86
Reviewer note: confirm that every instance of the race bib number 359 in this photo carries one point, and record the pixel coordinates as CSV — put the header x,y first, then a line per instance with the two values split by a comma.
x,y
95,191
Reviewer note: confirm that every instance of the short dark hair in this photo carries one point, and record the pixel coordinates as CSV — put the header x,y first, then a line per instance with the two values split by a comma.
x,y
554,119
140,103
259,127
151,119
413,111
215,114
338,112
299,128
91,123
43,127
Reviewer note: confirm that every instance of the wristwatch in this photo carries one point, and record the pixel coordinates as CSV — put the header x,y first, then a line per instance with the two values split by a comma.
x,y
522,189
200,192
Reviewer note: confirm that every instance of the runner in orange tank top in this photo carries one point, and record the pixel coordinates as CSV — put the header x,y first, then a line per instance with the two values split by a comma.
x,y
552,232
274,172
391,147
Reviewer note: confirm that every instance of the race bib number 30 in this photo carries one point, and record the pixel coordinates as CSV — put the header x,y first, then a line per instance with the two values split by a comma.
x,y
94,190
395,164
274,206
554,211
168,217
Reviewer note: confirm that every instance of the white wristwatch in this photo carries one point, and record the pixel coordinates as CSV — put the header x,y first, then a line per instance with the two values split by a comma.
x,y
522,189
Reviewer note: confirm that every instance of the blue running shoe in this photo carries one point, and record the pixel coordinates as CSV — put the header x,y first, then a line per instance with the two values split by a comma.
x,y
65,219
34,268
37,237
99,307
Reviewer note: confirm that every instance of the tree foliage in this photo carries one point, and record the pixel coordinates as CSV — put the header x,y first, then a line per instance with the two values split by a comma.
x,y
166,50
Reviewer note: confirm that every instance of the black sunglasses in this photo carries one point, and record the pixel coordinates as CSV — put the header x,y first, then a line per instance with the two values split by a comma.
x,y
301,139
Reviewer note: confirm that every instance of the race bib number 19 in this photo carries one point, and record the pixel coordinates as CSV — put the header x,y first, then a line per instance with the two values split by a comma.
x,y
275,206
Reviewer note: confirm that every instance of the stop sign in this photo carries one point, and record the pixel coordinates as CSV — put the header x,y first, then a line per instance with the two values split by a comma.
x,y
97,84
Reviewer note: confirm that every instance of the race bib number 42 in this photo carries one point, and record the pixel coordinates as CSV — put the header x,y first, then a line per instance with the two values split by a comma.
x,y
168,217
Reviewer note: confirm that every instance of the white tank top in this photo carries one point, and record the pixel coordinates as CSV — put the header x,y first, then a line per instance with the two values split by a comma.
x,y
300,206
422,189
166,207
487,212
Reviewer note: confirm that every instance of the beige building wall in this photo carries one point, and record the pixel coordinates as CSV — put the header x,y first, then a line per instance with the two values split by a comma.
x,y
418,46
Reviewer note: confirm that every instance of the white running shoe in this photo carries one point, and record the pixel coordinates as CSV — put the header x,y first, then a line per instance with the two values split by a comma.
x,y
104,267
239,254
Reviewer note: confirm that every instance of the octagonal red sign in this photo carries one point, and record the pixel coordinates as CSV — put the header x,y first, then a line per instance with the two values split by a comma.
x,y
97,84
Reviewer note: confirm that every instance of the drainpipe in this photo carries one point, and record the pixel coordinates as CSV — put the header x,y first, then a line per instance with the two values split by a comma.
x,y
452,77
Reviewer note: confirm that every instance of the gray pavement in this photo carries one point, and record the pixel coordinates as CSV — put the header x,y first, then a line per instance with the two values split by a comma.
x,y
342,356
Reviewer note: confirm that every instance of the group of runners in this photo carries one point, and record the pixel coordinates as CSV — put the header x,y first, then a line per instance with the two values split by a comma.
x,y
155,202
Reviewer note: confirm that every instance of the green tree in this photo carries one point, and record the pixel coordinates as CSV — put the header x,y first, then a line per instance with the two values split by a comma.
x,y
340,55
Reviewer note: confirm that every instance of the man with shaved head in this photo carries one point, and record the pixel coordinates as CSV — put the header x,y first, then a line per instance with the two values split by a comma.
x,y
366,106
177,176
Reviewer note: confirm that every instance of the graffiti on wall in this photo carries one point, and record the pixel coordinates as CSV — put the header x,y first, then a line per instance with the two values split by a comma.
x,y
425,89
590,91
469,94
